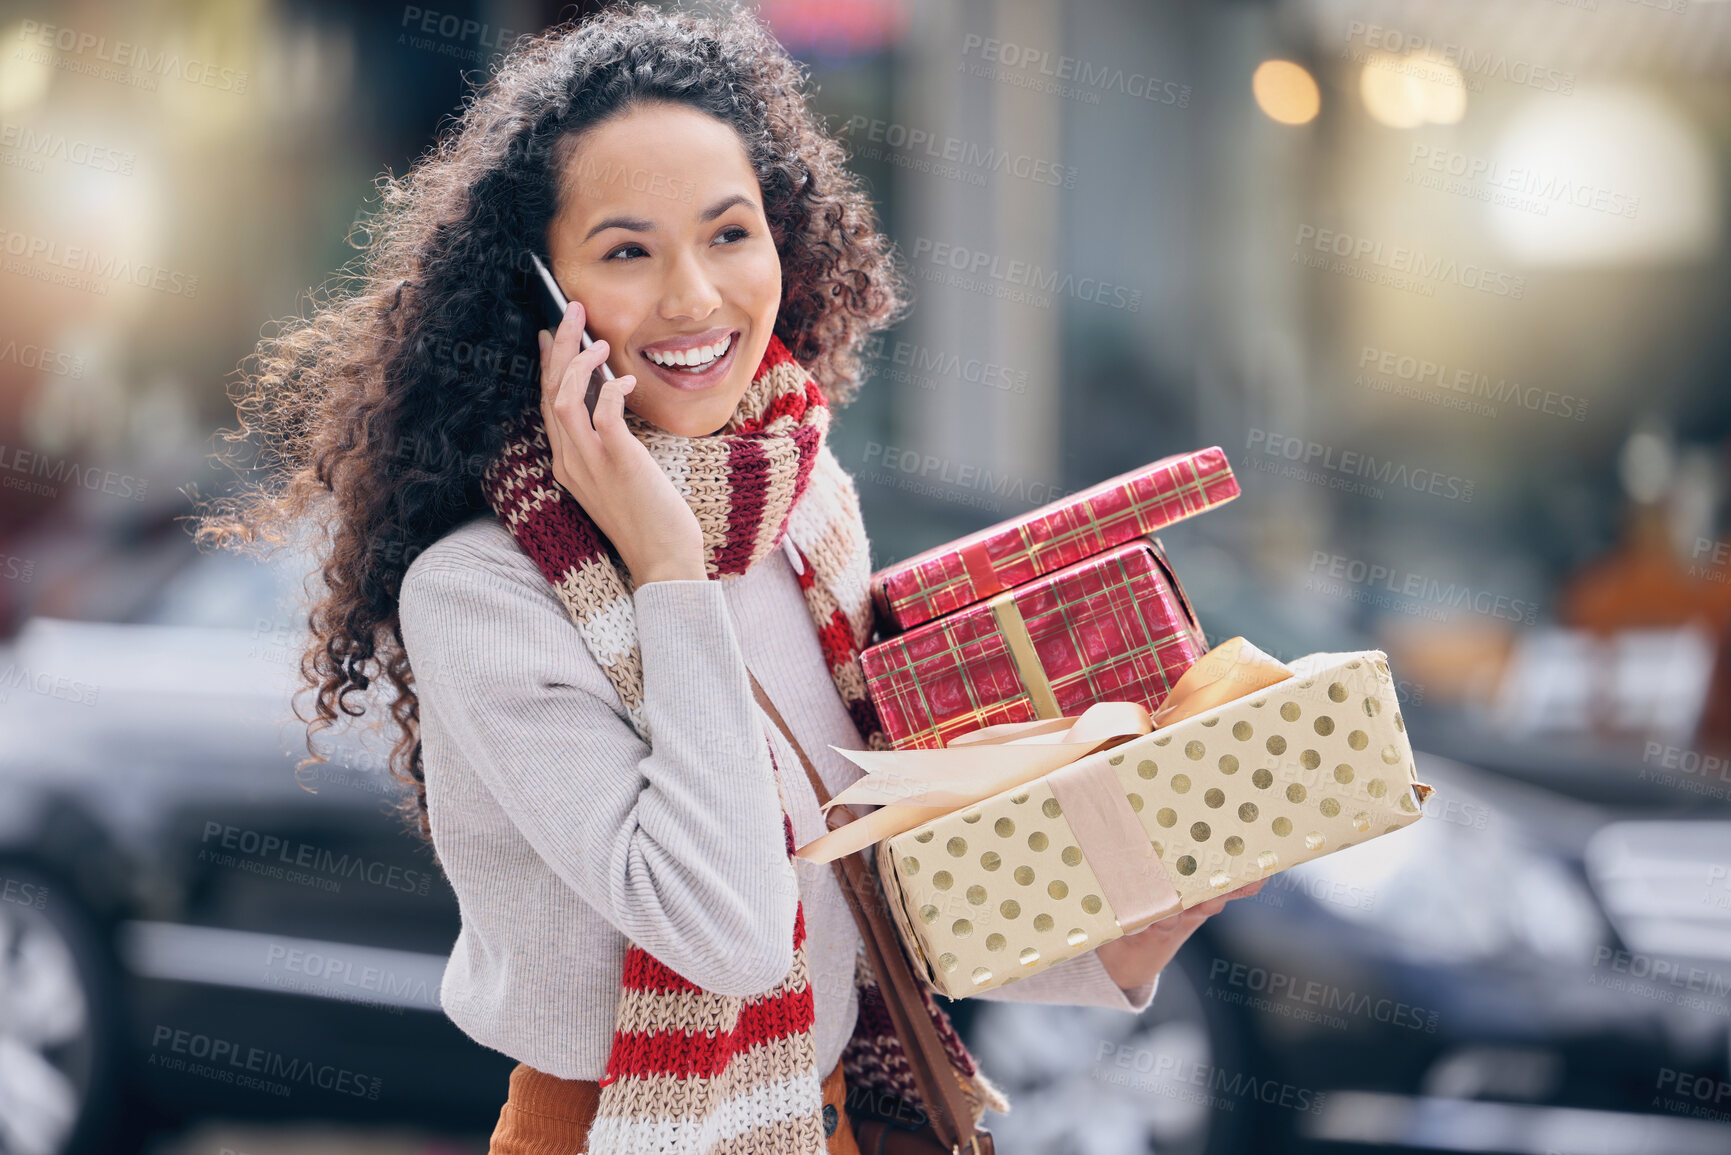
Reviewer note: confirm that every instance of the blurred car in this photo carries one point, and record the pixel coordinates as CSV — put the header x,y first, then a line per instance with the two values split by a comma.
x,y
186,929
1543,964
186,926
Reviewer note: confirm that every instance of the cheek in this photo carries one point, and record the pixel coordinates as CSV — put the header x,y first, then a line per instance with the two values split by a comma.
x,y
605,316
762,282
613,319
612,308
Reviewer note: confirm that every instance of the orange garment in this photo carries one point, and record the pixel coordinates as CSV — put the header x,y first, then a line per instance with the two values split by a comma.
x,y
1642,584
546,1115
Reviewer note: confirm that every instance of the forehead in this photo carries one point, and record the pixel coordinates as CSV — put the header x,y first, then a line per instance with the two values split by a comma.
x,y
663,161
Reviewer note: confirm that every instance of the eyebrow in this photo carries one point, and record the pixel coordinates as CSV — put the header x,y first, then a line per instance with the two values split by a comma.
x,y
639,225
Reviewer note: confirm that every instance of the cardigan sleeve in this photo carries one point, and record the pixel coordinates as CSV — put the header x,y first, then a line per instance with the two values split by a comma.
x,y
679,845
1077,982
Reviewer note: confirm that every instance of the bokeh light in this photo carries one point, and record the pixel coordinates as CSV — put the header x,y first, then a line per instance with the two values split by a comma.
x,y
1286,92
1406,90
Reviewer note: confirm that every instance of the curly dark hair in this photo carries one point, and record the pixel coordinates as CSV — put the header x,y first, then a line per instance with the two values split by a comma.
x,y
373,419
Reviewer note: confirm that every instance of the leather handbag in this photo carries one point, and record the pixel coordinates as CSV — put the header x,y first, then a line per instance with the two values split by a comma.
x,y
948,1129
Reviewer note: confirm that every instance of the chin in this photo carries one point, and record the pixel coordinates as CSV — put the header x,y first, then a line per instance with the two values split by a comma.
x,y
690,417
692,421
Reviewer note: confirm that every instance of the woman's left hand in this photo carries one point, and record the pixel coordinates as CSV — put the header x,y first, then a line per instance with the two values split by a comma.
x,y
1136,958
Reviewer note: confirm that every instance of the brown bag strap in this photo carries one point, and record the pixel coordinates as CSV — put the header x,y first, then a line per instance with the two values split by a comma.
x,y
930,1064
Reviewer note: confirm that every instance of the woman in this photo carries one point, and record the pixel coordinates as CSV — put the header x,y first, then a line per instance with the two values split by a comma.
x,y
566,607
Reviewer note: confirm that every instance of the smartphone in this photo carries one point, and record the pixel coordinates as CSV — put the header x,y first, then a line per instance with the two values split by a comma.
x,y
553,305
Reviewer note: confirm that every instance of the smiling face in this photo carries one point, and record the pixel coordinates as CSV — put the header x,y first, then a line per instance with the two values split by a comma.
x,y
661,235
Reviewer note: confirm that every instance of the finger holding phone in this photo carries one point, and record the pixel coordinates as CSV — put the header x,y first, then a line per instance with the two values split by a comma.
x,y
597,458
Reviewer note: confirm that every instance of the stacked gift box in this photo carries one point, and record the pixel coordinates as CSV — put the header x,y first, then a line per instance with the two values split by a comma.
x,y
1215,774
1043,614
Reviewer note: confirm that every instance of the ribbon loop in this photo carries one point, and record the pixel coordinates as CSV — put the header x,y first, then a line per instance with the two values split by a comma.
x,y
912,787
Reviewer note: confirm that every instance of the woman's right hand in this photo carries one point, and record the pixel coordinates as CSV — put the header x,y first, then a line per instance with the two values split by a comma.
x,y
607,469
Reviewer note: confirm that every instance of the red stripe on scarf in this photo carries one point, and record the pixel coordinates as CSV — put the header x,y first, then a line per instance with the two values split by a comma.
x,y
806,438
558,542
806,577
774,353
839,649
748,478
762,1019
640,1055
644,972
836,639
792,407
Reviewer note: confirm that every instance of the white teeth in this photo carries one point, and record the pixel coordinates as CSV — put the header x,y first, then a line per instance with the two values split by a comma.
x,y
702,355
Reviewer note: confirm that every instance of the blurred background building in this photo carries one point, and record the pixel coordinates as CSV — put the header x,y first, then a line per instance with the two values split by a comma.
x,y
1446,278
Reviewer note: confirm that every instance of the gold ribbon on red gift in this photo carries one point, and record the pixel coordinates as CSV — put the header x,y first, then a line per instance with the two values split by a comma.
x,y
1013,628
981,572
912,787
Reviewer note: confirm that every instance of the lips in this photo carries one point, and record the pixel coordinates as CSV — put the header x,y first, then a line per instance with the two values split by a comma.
x,y
689,354
692,380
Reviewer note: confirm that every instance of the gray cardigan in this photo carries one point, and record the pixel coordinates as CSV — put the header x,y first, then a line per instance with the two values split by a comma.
x,y
563,833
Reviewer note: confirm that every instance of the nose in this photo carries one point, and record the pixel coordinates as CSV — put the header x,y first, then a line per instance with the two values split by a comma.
x,y
689,291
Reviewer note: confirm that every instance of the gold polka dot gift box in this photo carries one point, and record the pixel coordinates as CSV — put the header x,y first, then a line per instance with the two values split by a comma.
x,y
1022,845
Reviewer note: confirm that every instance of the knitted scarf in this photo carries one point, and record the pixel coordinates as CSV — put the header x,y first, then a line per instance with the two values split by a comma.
x,y
691,1071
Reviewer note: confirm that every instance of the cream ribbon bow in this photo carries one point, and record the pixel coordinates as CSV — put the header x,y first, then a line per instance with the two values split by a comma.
x,y
912,787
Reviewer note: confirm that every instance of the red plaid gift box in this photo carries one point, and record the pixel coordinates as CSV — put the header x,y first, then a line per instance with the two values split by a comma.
x,y
1060,533
1112,626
